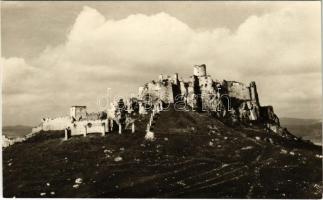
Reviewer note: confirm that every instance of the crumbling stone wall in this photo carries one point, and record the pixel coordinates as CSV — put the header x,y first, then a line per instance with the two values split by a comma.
x,y
237,90
165,89
268,115
85,127
254,93
59,123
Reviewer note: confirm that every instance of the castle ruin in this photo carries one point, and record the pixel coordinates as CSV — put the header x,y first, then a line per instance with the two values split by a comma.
x,y
230,101
202,93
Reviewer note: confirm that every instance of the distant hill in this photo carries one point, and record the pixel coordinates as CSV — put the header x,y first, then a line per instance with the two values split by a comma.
x,y
308,129
299,121
193,156
16,131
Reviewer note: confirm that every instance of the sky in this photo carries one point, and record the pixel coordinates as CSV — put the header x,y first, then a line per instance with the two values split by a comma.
x,y
58,54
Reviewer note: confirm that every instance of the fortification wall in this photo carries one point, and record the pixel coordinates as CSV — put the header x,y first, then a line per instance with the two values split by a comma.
x,y
10,141
206,85
162,90
238,90
166,93
183,88
6,141
78,130
254,93
55,124
89,126
36,129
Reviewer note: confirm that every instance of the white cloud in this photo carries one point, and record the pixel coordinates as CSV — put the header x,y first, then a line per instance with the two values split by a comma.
x,y
280,50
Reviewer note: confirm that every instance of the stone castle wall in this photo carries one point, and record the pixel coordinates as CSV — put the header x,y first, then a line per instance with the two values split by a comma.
x,y
55,124
201,91
238,90
47,124
89,126
162,89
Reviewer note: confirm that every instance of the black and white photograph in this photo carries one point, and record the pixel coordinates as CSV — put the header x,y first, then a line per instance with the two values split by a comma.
x,y
161,99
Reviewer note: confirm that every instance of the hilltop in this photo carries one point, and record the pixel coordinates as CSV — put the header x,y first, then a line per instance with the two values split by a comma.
x,y
179,138
193,155
308,129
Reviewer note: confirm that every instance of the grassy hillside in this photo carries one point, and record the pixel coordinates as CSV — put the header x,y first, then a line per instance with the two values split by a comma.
x,y
193,156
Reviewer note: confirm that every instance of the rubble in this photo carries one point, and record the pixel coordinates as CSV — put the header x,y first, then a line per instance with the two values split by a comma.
x,y
283,151
271,141
43,194
224,165
150,136
76,186
78,180
247,147
182,183
118,159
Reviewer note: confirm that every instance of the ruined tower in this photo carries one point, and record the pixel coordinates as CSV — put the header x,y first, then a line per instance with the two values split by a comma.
x,y
199,70
253,93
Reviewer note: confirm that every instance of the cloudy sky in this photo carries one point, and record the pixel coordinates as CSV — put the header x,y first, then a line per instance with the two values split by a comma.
x,y
58,54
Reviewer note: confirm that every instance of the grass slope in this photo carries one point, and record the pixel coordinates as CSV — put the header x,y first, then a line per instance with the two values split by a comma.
x,y
193,156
